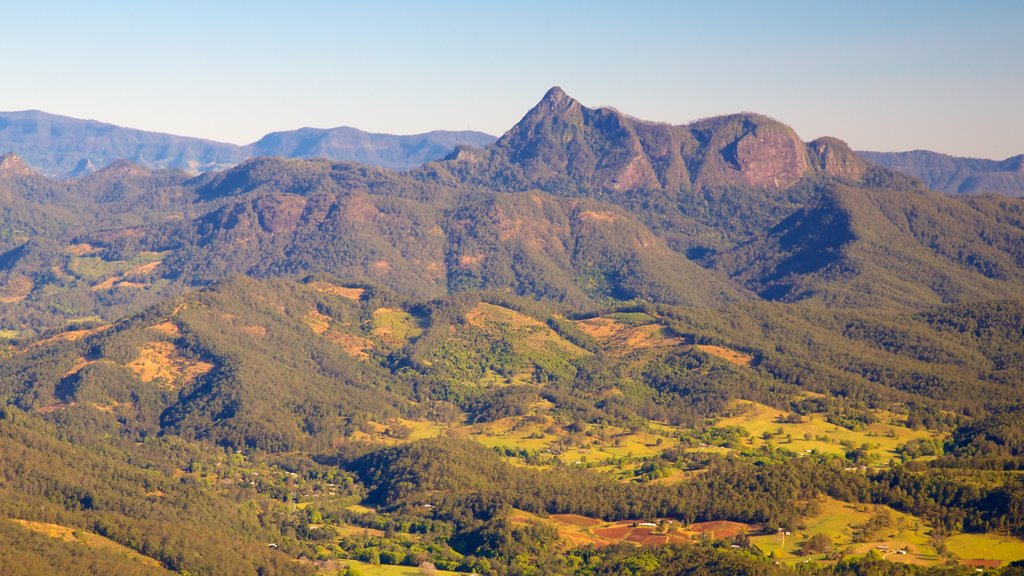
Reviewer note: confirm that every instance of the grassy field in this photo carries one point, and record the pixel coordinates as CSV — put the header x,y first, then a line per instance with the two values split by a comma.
x,y
533,335
814,433
601,448
94,268
839,521
9,334
395,327
968,547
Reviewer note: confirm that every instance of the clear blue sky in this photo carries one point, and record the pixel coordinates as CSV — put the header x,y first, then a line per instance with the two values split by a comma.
x,y
883,75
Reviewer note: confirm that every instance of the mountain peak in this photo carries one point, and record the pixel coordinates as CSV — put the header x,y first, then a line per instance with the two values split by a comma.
x,y
12,165
83,168
555,95
555,101
122,168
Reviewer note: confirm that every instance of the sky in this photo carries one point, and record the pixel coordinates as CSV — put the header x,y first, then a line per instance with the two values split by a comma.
x,y
886,75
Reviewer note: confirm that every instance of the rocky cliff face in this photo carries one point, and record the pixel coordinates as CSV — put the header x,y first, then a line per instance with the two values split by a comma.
x,y
562,145
11,165
749,150
835,158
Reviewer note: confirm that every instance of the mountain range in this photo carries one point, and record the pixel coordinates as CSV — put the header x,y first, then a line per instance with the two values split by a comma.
x,y
524,358
955,175
64,147
67,147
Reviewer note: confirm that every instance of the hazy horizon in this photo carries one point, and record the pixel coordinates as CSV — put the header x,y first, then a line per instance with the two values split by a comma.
x,y
941,76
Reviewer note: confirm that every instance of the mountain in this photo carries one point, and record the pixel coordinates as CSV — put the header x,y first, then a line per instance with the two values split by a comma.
x,y
352,145
68,147
561,145
57,145
597,345
954,175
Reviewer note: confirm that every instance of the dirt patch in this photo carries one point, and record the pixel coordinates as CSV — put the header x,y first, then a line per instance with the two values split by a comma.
x,y
727,354
381,266
343,291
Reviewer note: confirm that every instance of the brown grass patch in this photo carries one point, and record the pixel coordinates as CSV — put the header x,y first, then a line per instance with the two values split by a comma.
x,y
120,282
343,291
597,216
355,346
79,364
576,520
95,541
727,354
81,249
436,269
169,328
141,269
467,260
162,361
720,528
17,289
639,535
613,532
381,266
253,330
484,312
620,338
107,284
71,335
317,321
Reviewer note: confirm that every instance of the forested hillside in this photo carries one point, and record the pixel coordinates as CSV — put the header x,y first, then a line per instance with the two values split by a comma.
x,y
597,346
